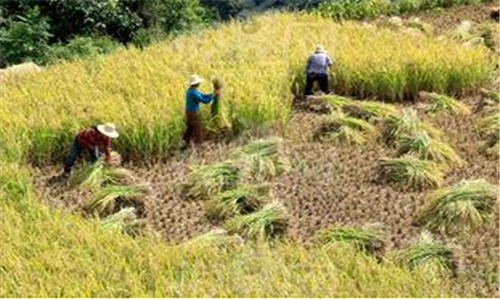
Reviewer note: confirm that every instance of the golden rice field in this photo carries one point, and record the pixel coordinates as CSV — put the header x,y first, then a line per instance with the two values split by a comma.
x,y
260,61
50,248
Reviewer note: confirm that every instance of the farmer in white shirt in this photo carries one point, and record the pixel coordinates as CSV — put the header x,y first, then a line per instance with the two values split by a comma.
x,y
317,70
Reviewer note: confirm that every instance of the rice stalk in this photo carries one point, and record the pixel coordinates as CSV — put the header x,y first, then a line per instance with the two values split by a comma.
x,y
428,254
406,124
346,130
125,221
108,198
424,147
443,103
262,158
414,172
241,200
365,240
370,110
208,180
459,208
267,223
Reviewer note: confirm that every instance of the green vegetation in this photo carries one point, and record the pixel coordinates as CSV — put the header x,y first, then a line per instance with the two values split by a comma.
x,y
406,124
443,103
345,129
459,208
364,9
124,221
208,180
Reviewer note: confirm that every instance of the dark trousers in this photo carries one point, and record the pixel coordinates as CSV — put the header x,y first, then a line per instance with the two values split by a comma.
x,y
322,80
76,151
194,128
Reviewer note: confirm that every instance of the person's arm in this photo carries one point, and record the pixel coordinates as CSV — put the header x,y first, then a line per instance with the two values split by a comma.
x,y
107,149
329,61
309,61
205,98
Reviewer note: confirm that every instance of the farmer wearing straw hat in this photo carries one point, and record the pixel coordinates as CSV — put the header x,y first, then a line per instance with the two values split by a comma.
x,y
194,123
91,141
317,70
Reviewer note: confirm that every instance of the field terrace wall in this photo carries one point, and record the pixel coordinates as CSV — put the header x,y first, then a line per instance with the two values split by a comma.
x,y
258,60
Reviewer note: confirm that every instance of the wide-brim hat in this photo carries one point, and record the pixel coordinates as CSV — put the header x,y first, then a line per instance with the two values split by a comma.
x,y
194,79
108,130
319,48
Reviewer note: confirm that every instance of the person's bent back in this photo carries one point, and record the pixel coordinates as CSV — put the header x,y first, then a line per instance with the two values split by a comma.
x,y
317,70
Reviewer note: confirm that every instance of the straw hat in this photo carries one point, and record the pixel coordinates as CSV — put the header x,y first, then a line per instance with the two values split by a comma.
x,y
108,130
194,79
319,49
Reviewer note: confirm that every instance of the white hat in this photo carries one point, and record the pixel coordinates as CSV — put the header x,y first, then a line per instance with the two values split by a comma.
x,y
194,79
319,48
108,130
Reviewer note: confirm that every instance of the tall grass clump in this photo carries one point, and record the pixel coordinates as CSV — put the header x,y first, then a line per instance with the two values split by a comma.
x,y
363,239
262,159
459,208
240,200
267,223
145,99
422,146
412,171
208,180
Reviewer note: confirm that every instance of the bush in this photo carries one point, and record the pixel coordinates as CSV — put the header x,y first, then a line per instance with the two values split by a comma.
x,y
83,47
25,39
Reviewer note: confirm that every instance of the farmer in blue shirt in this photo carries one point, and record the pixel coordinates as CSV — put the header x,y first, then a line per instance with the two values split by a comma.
x,y
317,70
194,97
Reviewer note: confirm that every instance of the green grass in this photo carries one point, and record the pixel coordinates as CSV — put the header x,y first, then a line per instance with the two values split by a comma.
x,y
428,254
422,146
268,223
208,180
459,208
412,171
363,239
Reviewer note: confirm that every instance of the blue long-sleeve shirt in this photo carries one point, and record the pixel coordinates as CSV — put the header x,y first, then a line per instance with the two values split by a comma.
x,y
194,97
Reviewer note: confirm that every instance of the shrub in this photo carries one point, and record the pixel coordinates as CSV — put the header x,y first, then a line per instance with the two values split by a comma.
x,y
25,39
412,171
462,207
80,47
267,223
